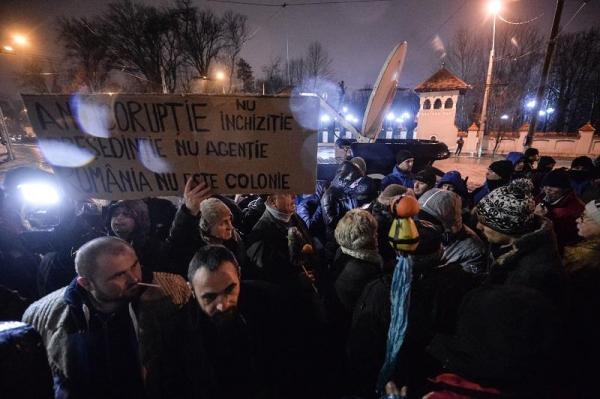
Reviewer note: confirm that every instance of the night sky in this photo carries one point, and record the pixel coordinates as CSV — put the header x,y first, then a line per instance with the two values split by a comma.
x,y
357,36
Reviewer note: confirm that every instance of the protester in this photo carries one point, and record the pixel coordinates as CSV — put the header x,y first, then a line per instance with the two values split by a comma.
x,y
425,180
337,200
531,155
545,165
402,172
267,244
102,331
582,262
461,244
507,344
559,203
239,338
453,181
498,174
523,244
459,145
581,174
252,213
357,261
310,211
518,161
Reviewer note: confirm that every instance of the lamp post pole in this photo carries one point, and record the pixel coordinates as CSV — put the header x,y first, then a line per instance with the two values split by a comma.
x,y
486,93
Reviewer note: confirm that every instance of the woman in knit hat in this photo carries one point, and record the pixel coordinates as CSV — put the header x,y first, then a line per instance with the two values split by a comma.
x,y
357,261
523,244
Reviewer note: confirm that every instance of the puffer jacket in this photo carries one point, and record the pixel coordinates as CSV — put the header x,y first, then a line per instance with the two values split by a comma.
x,y
564,218
398,177
78,340
533,261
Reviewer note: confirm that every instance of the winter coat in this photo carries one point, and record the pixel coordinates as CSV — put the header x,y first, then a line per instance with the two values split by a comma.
x,y
260,356
354,274
564,218
336,201
398,177
532,261
310,211
460,187
92,355
268,251
185,240
467,250
252,214
384,222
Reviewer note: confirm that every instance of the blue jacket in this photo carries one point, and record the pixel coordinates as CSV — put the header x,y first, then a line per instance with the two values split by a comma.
x,y
398,177
454,178
480,193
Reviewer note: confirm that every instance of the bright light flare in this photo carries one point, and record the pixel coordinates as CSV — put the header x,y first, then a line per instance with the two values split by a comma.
x,y
344,109
8,49
20,39
349,117
494,7
530,104
542,113
390,116
504,117
220,75
39,193
325,118
406,115
550,110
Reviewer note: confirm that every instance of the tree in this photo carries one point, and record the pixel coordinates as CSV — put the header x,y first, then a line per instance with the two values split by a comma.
x,y
297,71
87,49
39,78
245,75
273,80
203,37
317,63
575,79
143,39
235,36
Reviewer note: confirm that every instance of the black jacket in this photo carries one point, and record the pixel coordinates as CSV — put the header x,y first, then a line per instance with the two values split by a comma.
x,y
352,276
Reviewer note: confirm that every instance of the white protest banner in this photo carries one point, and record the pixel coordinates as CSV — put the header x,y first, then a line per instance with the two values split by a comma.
x,y
134,146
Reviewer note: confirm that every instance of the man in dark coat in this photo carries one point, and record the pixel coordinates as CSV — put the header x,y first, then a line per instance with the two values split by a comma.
x,y
402,172
523,245
238,339
497,175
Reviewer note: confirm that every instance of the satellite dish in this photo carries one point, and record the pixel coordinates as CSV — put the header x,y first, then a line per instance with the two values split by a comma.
x,y
383,93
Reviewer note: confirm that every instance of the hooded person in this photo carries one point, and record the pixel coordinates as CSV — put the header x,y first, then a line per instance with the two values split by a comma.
x,y
559,203
129,220
544,166
498,174
402,172
461,245
518,161
453,181
523,244
505,345
310,211
581,174
425,180
531,155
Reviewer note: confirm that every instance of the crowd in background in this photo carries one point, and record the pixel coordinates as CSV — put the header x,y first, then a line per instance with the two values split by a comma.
x,y
276,295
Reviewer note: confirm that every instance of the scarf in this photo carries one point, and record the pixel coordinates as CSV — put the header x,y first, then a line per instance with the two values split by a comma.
x,y
400,300
370,255
277,214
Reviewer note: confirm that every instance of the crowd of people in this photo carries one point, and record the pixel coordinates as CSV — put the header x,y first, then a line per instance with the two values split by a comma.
x,y
410,286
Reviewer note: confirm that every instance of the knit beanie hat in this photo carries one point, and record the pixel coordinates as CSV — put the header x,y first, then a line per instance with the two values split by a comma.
x,y
545,162
212,211
508,209
557,178
402,156
357,230
582,162
531,152
426,176
502,168
592,209
391,191
360,164
444,206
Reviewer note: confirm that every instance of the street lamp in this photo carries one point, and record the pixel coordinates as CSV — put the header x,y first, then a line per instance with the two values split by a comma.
x,y
220,75
20,39
504,117
494,7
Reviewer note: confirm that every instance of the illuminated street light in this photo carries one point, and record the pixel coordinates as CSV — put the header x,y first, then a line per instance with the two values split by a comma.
x,y
542,112
399,120
349,117
344,109
550,110
325,118
406,115
20,39
8,49
390,116
220,75
530,104
504,117
494,7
